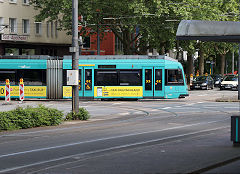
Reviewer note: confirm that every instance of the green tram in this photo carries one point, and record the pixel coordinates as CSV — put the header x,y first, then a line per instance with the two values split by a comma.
x,y
100,77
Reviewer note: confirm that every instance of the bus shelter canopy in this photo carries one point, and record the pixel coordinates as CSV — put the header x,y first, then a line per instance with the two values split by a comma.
x,y
222,31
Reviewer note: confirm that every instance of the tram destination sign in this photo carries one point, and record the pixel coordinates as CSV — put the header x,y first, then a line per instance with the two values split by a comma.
x,y
12,37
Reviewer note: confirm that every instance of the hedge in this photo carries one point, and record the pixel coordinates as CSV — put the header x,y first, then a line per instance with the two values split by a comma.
x,y
29,117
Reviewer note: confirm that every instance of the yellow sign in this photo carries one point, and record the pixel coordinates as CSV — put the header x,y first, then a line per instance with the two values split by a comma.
x,y
29,91
67,92
118,91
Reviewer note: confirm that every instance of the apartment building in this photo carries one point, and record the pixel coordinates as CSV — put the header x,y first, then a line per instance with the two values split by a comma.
x,y
22,35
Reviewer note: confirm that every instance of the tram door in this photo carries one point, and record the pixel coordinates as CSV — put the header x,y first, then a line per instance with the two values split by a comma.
x,y
153,82
86,81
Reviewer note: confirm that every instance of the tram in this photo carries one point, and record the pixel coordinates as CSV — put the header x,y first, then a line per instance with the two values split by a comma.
x,y
100,77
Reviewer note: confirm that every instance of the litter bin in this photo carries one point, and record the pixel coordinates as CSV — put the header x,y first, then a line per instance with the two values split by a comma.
x,y
235,133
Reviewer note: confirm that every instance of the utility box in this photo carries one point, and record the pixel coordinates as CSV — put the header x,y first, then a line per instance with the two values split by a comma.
x,y
72,77
235,122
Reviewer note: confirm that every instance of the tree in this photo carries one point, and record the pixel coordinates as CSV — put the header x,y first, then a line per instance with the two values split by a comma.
x,y
222,10
139,24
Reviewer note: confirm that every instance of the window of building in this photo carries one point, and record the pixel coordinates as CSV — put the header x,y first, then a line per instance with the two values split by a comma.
x,y
173,77
26,2
13,1
47,29
51,28
26,26
13,25
86,42
56,29
1,24
38,27
11,51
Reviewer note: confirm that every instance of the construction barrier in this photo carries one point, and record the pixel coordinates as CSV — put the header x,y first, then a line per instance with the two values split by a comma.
x,y
21,90
7,91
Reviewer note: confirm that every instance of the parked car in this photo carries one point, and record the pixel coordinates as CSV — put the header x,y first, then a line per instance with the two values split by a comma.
x,y
229,82
202,82
217,79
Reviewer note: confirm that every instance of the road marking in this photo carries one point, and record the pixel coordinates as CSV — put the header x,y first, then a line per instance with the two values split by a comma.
x,y
231,107
111,148
126,113
167,108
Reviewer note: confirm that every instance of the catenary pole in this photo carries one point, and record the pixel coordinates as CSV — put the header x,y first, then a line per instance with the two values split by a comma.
x,y
75,55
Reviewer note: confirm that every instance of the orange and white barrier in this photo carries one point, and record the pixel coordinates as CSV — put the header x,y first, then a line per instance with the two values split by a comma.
x,y
7,91
21,90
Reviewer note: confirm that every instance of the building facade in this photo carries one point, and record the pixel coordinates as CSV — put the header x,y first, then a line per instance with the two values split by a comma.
x,y
22,35
107,43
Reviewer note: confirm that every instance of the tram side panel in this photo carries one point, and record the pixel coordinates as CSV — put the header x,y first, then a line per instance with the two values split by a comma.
x,y
33,73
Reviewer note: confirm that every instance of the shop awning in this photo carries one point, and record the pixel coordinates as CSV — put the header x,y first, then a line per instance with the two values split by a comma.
x,y
223,31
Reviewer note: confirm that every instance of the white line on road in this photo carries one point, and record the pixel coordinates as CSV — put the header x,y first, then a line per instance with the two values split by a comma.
x,y
167,108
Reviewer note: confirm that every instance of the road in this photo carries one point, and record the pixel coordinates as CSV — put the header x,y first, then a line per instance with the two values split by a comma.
x,y
146,136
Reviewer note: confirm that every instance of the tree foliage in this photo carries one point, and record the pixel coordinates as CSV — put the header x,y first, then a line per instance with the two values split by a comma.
x,y
143,24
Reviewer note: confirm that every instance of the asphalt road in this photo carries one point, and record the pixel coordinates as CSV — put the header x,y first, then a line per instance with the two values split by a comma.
x,y
146,136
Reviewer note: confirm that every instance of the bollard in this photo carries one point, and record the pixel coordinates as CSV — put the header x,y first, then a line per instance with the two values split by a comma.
x,y
235,122
7,91
21,90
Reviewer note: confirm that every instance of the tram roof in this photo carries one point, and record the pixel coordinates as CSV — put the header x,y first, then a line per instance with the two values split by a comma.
x,y
116,57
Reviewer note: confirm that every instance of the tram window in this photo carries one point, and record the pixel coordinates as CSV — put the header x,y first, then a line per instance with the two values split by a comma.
x,y
107,66
106,78
148,79
32,76
130,78
174,77
88,79
7,74
79,80
158,79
